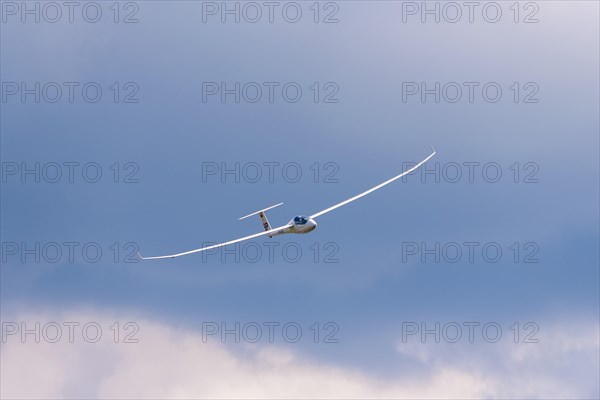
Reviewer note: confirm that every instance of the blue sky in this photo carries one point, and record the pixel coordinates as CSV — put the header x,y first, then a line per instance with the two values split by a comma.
x,y
367,136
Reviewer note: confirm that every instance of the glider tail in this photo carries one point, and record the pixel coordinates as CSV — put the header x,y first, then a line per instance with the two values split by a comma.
x,y
263,217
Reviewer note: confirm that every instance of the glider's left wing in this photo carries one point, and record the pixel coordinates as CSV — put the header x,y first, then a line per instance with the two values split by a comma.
x,y
358,196
270,232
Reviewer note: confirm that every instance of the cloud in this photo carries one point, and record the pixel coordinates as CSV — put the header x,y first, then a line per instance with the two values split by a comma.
x,y
560,361
168,362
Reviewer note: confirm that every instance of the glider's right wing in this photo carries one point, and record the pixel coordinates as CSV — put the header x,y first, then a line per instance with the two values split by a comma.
x,y
269,232
358,196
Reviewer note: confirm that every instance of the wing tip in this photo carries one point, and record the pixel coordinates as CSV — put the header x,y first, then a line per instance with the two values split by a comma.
x,y
154,258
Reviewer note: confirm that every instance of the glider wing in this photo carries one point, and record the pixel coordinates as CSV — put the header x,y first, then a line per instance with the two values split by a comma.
x,y
358,196
269,232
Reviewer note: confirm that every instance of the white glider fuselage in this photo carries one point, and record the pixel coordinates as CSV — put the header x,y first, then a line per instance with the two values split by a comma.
x,y
300,224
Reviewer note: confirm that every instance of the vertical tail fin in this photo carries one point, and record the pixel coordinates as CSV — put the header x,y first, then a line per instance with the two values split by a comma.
x,y
265,221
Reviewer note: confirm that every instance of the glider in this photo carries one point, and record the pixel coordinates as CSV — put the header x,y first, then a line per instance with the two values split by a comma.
x,y
299,224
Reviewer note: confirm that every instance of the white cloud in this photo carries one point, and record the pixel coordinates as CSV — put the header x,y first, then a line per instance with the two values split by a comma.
x,y
174,363
564,363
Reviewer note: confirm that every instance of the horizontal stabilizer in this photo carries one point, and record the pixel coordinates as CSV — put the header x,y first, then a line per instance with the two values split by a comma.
x,y
259,211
